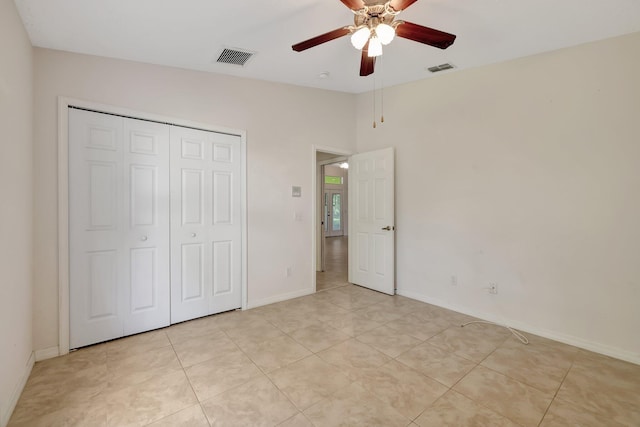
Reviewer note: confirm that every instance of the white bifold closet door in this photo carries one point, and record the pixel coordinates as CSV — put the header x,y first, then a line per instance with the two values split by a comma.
x,y
206,223
155,225
118,226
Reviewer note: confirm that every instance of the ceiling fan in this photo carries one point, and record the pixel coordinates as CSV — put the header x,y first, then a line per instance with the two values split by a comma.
x,y
374,26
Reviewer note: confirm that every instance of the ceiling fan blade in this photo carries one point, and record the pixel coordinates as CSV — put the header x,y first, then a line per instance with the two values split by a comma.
x,y
399,5
354,4
367,63
323,38
426,35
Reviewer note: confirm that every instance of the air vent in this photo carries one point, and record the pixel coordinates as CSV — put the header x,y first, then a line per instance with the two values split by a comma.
x,y
234,56
440,67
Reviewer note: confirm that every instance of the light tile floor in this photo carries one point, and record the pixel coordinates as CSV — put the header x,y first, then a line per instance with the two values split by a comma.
x,y
345,356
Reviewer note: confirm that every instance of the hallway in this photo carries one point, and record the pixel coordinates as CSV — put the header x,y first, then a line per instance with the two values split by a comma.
x,y
336,264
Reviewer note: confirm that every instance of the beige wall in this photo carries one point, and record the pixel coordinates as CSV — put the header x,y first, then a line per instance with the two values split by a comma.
x,y
16,192
522,173
282,124
527,174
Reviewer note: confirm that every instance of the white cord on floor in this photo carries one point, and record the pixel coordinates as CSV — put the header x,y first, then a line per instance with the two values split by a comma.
x,y
517,334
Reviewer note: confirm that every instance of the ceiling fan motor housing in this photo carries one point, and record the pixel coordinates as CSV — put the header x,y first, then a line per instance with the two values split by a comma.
x,y
373,15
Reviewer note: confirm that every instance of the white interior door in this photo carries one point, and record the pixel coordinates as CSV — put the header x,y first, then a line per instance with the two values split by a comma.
x,y
206,229
118,226
372,220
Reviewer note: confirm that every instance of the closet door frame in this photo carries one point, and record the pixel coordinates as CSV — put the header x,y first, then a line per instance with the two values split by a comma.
x,y
63,200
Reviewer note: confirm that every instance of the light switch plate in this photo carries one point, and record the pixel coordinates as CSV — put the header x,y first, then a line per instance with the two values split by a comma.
x,y
296,191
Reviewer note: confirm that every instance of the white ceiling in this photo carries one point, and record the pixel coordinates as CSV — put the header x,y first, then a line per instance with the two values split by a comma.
x,y
191,33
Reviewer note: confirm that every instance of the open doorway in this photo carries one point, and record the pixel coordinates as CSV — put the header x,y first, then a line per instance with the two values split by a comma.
x,y
334,223
331,219
369,259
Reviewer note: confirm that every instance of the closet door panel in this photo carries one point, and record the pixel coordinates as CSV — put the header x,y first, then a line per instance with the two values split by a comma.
x,y
226,223
205,185
222,268
102,189
144,279
102,285
193,272
146,238
190,206
192,197
143,195
222,198
95,227
118,226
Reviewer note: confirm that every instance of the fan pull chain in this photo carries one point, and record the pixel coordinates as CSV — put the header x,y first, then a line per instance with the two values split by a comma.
x,y
374,101
381,93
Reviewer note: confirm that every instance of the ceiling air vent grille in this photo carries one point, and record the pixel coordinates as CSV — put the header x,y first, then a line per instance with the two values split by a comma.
x,y
440,67
234,56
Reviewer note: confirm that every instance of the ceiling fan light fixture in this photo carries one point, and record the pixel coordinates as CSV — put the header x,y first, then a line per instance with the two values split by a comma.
x,y
360,37
375,47
375,25
385,33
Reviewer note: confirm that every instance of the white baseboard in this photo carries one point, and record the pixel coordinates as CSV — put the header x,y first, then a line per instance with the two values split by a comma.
x,y
280,298
15,396
552,335
47,353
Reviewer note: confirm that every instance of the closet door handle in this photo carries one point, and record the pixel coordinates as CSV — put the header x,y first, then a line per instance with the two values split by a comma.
x,y
193,234
143,238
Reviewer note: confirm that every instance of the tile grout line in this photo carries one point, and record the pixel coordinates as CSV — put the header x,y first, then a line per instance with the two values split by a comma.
x,y
520,381
556,392
500,373
184,371
471,370
424,375
266,374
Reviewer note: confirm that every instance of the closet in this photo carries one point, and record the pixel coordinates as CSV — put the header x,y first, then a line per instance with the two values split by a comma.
x,y
155,228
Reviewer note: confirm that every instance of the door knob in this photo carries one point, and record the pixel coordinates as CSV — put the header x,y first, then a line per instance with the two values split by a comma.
x,y
193,234
387,228
143,238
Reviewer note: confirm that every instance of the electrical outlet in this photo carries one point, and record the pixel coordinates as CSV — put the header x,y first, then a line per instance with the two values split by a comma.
x,y
493,288
454,280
